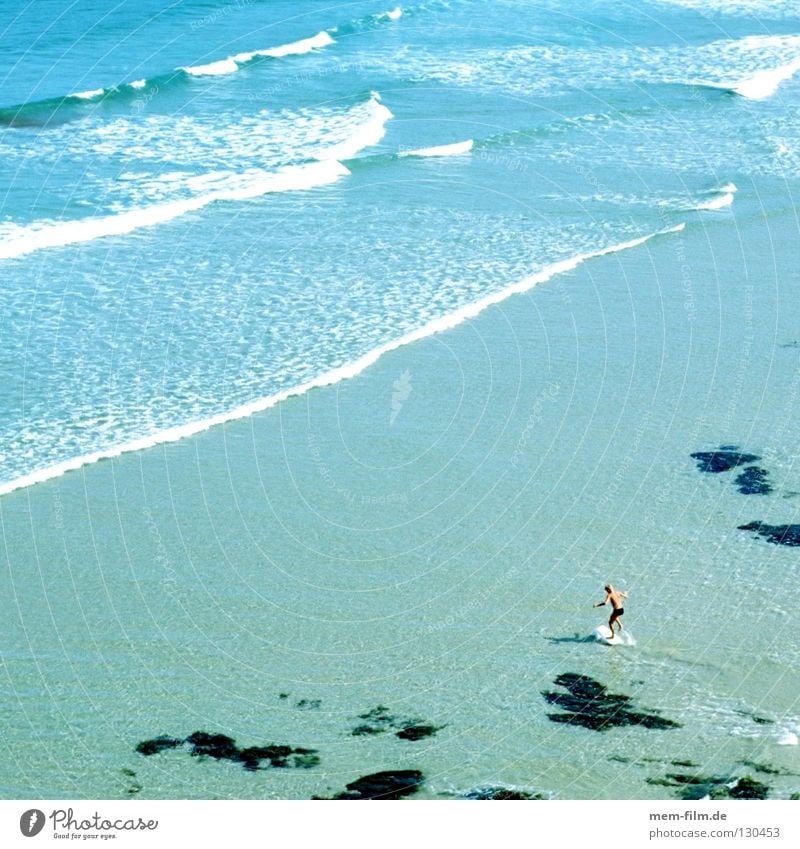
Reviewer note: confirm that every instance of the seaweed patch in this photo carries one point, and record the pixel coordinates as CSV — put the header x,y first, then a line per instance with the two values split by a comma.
x,y
391,784
380,720
723,460
500,794
221,747
753,481
588,703
692,787
776,534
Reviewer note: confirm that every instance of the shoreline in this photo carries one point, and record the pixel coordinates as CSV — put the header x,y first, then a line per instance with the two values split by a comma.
x,y
333,376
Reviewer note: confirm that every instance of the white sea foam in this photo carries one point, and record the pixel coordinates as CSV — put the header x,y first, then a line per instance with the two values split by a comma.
x,y
138,84
257,153
718,202
335,375
295,48
213,69
765,83
233,63
88,95
456,149
247,185
393,14
721,197
368,133
752,67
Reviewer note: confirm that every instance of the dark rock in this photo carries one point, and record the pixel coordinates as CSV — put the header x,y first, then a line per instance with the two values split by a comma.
x,y
776,534
418,732
309,704
765,769
500,793
679,778
222,747
363,730
304,758
795,797
753,481
759,720
157,744
682,763
218,746
693,787
748,788
134,786
378,715
283,695
722,460
252,756
589,705
392,784
380,719
581,685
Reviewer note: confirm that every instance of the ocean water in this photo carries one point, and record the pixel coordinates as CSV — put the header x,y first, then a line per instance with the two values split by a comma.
x,y
210,210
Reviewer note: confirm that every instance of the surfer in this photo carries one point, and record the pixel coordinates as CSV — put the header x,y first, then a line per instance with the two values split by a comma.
x,y
615,597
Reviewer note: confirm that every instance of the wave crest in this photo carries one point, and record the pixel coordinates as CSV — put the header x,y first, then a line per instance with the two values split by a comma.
x,y
456,149
252,184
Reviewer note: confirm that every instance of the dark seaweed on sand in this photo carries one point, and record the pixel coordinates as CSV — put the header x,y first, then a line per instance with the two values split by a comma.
x,y
753,481
587,703
776,534
500,794
222,747
692,787
723,460
391,784
380,719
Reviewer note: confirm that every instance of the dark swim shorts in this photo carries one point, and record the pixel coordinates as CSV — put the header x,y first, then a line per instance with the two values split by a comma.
x,y
619,611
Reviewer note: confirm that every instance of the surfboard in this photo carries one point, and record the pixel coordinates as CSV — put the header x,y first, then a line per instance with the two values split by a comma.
x,y
603,635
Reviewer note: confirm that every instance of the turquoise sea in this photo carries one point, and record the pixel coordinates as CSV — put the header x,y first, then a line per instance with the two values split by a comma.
x,y
349,349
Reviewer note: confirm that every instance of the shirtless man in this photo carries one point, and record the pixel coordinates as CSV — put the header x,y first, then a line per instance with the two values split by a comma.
x,y
615,597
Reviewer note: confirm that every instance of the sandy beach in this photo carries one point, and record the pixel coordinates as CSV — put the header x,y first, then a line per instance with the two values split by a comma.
x,y
428,537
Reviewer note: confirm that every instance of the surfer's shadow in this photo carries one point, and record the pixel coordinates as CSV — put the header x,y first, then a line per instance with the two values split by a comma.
x,y
577,638
624,639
